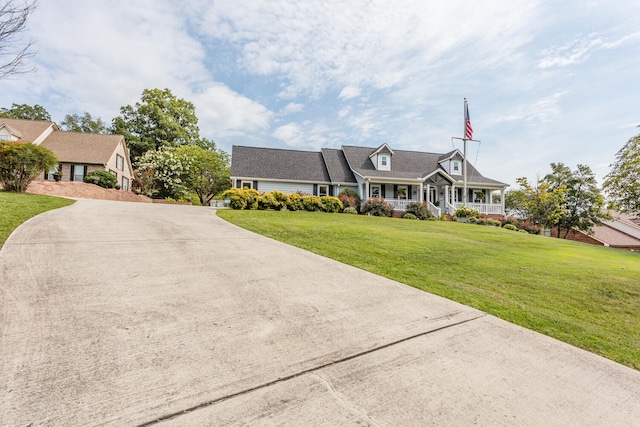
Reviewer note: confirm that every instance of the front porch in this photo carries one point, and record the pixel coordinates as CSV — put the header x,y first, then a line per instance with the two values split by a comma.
x,y
441,196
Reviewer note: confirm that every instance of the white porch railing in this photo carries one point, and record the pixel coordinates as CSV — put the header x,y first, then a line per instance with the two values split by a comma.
x,y
399,204
483,208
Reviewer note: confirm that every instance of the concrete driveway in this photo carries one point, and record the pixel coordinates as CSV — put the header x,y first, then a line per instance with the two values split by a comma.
x,y
115,313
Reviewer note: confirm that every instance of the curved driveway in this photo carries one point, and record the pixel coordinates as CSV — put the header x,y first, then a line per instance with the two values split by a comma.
x,y
116,313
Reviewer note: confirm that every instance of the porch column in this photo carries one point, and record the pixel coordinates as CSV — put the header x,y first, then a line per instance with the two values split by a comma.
x,y
429,193
502,200
421,195
366,190
446,195
453,194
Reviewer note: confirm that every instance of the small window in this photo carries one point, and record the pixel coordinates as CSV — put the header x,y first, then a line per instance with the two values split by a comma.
x,y
456,166
375,191
402,192
247,185
323,190
78,173
125,183
384,160
112,172
119,162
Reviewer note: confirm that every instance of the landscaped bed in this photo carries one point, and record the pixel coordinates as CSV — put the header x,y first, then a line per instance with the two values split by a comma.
x,y
585,295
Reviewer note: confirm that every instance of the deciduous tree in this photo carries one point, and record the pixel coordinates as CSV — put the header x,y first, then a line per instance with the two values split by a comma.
x,y
542,204
583,201
21,162
622,184
158,120
84,123
207,173
25,112
13,52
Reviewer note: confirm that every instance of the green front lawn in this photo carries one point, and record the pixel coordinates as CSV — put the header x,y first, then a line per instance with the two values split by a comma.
x,y
17,208
584,295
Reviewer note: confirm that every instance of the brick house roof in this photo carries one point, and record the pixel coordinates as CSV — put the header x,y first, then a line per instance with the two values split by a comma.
x,y
27,130
77,147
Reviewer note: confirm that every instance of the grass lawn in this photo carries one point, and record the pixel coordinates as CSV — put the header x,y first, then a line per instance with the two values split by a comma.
x,y
587,296
17,208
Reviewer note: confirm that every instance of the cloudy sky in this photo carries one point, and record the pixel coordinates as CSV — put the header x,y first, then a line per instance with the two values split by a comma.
x,y
546,80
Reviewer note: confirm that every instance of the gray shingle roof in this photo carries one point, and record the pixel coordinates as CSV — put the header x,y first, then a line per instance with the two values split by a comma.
x,y
337,166
272,163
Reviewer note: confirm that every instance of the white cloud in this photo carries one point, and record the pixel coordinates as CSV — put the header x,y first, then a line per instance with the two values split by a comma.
x,y
540,111
223,112
292,107
349,92
581,48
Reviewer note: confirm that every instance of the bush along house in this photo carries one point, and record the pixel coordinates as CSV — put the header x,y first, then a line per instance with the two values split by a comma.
x,y
398,176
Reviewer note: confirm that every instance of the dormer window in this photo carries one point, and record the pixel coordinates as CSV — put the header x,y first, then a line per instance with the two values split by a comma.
x,y
381,158
455,168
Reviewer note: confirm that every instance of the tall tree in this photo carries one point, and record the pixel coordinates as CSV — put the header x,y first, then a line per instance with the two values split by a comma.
x,y
13,53
26,112
208,172
21,162
84,123
159,119
584,203
542,204
622,184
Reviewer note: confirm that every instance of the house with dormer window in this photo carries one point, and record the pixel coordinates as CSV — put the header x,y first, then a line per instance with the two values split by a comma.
x,y
78,153
398,176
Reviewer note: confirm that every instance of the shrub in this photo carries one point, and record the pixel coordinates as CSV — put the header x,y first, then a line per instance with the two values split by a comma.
x,y
294,202
331,204
510,227
465,212
350,210
377,207
348,201
275,200
312,203
350,192
420,210
409,215
525,231
481,221
473,220
236,196
102,179
21,162
242,199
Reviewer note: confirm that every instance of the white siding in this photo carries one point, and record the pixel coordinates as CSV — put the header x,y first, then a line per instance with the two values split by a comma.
x,y
285,187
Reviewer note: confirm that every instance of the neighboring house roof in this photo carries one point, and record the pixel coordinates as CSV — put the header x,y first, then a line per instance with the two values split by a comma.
x,y
27,130
340,165
278,164
77,147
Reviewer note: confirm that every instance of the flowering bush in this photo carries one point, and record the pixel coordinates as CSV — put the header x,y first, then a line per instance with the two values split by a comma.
x,y
350,192
294,202
377,207
166,170
465,212
420,210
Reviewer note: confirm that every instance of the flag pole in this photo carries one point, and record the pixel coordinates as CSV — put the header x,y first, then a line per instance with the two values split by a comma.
x,y
465,197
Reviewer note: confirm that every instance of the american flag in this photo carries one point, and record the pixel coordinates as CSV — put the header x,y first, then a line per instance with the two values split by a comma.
x,y
468,130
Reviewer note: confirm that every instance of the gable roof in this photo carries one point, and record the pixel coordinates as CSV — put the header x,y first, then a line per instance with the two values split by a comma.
x,y
78,147
27,130
340,165
280,164
337,166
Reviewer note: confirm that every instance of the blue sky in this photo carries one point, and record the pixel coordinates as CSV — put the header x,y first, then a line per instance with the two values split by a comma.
x,y
547,81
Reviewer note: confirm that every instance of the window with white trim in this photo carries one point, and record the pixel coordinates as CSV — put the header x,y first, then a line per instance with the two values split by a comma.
x,y
125,184
375,190
456,167
119,162
323,190
247,185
